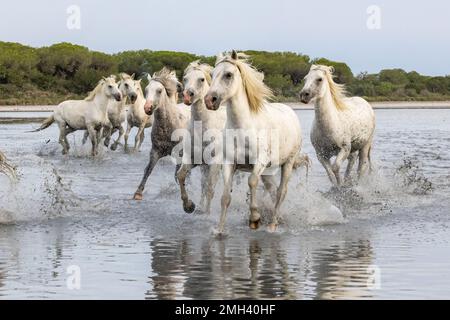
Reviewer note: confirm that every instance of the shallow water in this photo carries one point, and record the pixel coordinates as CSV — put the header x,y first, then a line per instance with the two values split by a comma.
x,y
393,241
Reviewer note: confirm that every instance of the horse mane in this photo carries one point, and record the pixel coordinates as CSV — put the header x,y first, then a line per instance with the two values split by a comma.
x,y
338,92
167,79
203,67
257,91
94,92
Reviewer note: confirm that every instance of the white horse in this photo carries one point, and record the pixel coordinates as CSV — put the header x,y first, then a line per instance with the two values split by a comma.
x,y
343,127
269,133
161,100
116,110
136,117
89,114
196,81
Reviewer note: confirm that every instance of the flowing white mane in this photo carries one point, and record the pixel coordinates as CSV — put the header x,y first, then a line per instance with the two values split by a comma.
x,y
168,79
337,90
257,91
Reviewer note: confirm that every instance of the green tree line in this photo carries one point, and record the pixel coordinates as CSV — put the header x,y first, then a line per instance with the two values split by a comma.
x,y
63,71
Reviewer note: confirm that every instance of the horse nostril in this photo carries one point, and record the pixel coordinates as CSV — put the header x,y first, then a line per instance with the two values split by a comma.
x,y
214,99
306,94
191,93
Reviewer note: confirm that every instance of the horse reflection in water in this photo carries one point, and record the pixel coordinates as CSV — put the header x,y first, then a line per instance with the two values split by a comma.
x,y
208,269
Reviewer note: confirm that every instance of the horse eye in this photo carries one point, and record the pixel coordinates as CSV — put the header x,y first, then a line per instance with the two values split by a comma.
x,y
228,75
202,79
159,91
110,86
319,80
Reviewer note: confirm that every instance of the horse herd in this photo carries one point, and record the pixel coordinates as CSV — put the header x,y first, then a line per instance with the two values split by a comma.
x,y
227,108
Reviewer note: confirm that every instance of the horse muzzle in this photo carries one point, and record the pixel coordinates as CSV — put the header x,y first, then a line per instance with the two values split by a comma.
x,y
212,102
118,97
305,97
187,97
148,108
133,98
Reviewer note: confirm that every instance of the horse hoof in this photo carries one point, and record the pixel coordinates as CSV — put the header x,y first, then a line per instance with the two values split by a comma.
x,y
114,147
272,227
189,207
138,196
254,225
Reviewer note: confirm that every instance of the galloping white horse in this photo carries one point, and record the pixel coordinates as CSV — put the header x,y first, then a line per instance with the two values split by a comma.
x,y
343,127
136,117
116,110
161,100
196,81
272,129
88,114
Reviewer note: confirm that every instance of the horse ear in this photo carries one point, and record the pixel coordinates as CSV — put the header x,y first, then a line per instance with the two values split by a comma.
x,y
234,55
173,73
149,77
132,76
219,57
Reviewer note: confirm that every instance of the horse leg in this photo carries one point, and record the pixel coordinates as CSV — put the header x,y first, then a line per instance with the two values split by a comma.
x,y
253,180
69,130
85,137
340,158
210,176
286,172
127,134
94,139
107,133
351,162
327,165
228,173
188,205
142,138
62,137
154,157
116,143
269,186
138,137
364,156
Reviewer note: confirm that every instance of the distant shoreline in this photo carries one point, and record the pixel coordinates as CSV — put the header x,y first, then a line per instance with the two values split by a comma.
x,y
294,105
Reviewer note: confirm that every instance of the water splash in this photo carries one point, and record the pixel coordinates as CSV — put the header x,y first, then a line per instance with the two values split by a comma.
x,y
37,194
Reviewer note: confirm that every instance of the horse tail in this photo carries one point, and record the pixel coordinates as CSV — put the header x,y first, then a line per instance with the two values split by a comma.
x,y
47,123
302,160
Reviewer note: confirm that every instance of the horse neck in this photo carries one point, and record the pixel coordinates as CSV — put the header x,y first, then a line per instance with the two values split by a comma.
x,y
101,101
198,110
167,113
238,111
325,110
138,105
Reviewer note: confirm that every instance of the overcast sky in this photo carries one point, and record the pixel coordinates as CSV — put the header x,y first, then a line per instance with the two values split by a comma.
x,y
414,35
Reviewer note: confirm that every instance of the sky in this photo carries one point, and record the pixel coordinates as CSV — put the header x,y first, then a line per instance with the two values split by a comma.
x,y
412,35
